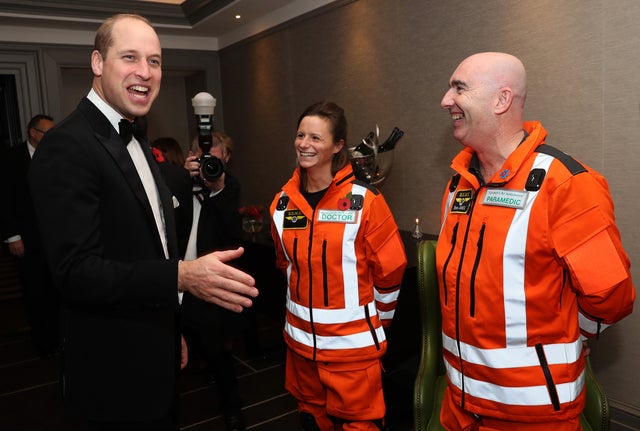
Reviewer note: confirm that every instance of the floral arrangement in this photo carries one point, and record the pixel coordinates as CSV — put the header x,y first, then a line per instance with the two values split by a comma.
x,y
252,211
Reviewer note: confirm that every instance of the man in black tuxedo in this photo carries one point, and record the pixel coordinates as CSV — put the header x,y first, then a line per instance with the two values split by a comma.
x,y
107,225
21,235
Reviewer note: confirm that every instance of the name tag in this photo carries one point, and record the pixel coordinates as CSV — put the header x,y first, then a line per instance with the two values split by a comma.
x,y
506,198
336,216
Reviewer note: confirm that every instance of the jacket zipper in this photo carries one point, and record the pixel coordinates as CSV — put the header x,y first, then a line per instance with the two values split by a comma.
x,y
551,387
371,328
309,250
325,283
297,264
454,236
472,284
460,263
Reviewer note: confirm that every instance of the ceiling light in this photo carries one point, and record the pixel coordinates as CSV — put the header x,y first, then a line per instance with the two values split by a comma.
x,y
238,17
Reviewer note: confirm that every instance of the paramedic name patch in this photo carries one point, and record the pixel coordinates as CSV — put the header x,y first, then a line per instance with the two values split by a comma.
x,y
294,219
337,216
505,198
462,202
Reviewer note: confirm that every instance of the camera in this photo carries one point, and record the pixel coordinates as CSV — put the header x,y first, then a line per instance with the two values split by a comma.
x,y
211,166
203,105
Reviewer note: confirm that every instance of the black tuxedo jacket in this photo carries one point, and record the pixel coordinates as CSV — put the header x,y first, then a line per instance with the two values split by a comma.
x,y
119,292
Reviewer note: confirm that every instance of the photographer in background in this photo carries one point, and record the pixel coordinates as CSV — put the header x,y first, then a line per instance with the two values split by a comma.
x,y
215,225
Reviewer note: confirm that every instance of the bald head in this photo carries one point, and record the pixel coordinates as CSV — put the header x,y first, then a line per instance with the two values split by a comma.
x,y
486,99
499,70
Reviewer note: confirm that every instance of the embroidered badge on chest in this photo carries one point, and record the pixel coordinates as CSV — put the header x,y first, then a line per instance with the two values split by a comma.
x,y
462,202
506,198
295,219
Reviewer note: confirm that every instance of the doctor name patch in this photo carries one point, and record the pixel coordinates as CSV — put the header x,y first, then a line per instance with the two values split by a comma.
x,y
333,216
505,198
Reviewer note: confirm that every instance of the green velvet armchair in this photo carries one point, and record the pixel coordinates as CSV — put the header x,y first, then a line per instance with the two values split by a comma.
x,y
431,380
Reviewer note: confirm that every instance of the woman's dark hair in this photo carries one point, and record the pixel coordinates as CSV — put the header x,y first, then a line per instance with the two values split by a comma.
x,y
335,115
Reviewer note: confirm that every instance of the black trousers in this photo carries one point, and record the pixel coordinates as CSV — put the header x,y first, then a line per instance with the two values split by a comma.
x,y
203,327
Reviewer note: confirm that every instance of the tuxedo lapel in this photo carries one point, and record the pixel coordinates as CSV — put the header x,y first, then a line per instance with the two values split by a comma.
x,y
121,156
111,141
166,200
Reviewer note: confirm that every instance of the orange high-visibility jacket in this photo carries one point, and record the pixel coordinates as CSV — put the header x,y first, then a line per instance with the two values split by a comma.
x,y
344,263
525,263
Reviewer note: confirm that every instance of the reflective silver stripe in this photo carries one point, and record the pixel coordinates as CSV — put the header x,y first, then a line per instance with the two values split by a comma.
x,y
590,326
337,342
447,207
349,259
519,396
513,267
386,298
330,316
514,357
386,315
278,221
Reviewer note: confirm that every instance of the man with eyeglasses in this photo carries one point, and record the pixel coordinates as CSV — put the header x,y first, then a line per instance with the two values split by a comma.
x,y
21,236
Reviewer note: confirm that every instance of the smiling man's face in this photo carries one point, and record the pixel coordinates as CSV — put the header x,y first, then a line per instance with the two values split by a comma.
x,y
128,77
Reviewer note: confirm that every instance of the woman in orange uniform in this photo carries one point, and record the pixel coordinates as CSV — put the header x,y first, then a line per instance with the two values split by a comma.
x,y
339,247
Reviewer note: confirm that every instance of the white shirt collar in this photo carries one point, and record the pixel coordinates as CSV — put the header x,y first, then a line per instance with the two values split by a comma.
x,y
30,148
112,115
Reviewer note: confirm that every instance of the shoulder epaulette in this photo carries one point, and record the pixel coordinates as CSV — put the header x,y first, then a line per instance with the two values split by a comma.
x,y
574,166
365,184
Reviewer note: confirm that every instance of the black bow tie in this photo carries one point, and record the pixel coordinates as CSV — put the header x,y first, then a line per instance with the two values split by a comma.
x,y
129,129
199,194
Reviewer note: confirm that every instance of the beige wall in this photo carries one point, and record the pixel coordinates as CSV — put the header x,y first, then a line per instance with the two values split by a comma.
x,y
389,61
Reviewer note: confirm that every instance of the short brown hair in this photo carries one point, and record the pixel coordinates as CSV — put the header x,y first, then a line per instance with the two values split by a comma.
x,y
104,36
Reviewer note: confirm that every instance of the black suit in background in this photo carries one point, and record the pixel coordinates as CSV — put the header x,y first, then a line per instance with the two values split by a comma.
x,y
118,291
18,218
207,326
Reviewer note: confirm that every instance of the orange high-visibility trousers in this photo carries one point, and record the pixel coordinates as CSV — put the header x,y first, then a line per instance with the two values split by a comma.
x,y
341,396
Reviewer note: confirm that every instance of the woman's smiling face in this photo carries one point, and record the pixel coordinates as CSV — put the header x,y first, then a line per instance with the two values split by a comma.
x,y
315,144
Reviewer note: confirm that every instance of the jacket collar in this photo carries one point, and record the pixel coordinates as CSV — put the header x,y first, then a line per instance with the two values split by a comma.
x,y
467,161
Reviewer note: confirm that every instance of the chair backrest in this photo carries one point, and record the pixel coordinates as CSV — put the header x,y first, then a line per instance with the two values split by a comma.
x,y
431,381
596,414
431,366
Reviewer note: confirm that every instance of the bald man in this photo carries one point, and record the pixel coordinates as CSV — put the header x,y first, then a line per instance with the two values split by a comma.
x,y
529,257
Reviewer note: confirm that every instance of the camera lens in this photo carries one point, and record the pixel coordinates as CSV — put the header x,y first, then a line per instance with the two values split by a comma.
x,y
212,168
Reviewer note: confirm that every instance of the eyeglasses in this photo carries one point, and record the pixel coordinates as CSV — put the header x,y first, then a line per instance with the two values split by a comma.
x,y
38,130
